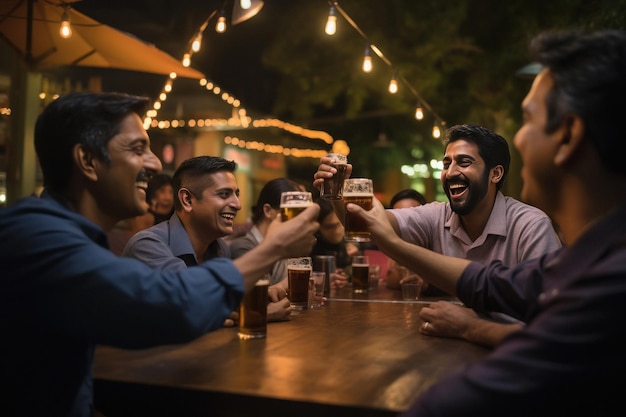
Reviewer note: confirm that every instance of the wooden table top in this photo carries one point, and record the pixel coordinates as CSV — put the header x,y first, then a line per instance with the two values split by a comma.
x,y
347,356
384,294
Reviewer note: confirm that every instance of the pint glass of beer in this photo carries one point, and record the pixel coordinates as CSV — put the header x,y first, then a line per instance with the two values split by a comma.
x,y
298,275
357,191
360,274
253,312
293,203
332,188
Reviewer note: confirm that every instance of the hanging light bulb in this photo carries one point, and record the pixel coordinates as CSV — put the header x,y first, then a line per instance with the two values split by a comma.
x,y
220,27
197,42
331,23
367,60
245,4
393,84
436,132
186,60
66,30
419,113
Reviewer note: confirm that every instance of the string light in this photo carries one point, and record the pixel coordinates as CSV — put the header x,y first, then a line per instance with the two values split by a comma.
x,y
239,118
393,84
186,60
367,60
66,29
331,23
220,26
197,42
397,77
436,132
419,113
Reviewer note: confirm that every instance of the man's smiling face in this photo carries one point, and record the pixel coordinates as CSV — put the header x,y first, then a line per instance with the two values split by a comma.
x,y
465,178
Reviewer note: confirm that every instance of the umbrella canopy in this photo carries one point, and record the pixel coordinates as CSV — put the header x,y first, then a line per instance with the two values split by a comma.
x,y
31,27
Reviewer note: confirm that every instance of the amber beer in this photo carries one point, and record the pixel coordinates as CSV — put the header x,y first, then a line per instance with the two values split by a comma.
x,y
253,312
298,275
293,203
360,274
358,191
291,211
332,188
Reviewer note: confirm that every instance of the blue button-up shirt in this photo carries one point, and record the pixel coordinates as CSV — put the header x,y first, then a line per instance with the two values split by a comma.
x,y
62,292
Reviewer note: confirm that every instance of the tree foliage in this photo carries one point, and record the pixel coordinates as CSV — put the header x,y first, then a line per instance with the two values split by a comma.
x,y
460,55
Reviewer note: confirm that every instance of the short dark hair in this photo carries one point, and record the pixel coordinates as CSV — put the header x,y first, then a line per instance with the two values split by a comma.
x,y
407,193
270,194
193,168
88,119
588,70
492,148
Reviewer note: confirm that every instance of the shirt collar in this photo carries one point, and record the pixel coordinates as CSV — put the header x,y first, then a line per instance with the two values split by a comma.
x,y
179,239
496,224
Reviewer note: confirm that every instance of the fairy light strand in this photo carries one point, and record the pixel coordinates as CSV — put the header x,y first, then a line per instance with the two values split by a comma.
x,y
397,76
243,121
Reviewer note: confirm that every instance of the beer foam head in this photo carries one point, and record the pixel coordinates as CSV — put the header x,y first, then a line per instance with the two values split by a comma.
x,y
295,203
300,267
262,282
338,158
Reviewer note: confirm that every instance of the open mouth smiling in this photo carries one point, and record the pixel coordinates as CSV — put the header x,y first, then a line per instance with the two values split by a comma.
x,y
228,216
457,188
142,181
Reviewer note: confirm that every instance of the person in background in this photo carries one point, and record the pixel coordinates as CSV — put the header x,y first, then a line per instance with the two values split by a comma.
x,y
477,223
263,214
567,357
407,198
160,207
160,197
62,291
207,201
404,199
330,241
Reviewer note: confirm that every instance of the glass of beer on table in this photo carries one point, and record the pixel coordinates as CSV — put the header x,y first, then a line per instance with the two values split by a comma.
x,y
332,188
358,191
293,203
360,274
298,275
253,311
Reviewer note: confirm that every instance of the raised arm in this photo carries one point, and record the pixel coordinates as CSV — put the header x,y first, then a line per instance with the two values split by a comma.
x,y
439,270
325,170
283,240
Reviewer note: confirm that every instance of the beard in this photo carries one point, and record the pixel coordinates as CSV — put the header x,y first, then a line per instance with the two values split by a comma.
x,y
477,191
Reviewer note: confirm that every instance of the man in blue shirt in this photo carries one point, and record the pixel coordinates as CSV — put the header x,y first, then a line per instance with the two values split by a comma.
x,y
62,291
567,358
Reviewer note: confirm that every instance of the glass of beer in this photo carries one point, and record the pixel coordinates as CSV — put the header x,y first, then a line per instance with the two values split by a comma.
x,y
293,203
253,311
360,274
332,188
298,275
357,191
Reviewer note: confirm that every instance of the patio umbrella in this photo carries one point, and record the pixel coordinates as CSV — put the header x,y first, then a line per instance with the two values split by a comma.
x,y
31,27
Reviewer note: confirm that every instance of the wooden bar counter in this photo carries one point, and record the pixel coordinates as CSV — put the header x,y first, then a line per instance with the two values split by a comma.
x,y
356,356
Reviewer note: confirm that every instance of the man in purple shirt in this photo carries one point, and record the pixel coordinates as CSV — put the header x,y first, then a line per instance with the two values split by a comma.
x,y
567,358
478,223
